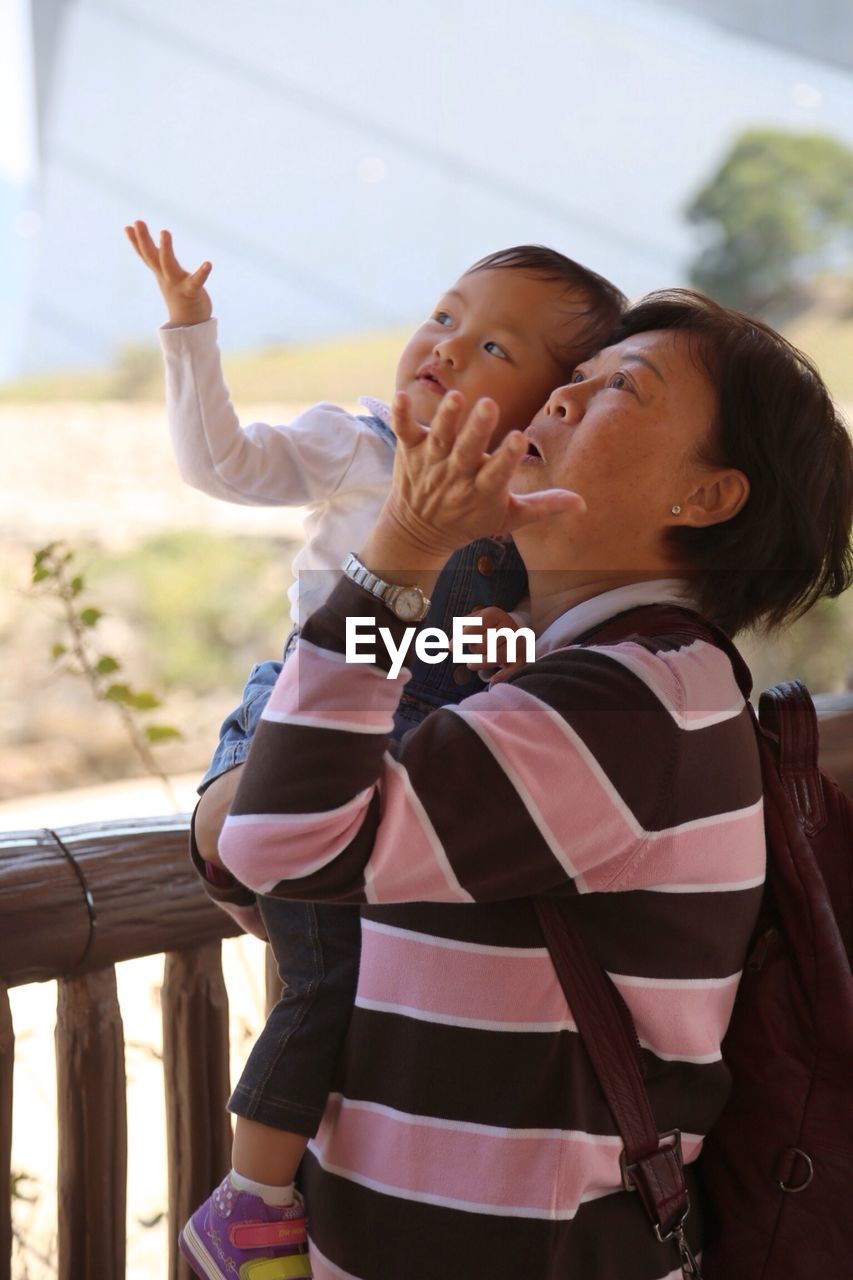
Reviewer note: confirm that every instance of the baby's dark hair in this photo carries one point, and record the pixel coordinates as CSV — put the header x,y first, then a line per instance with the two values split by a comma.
x,y
604,302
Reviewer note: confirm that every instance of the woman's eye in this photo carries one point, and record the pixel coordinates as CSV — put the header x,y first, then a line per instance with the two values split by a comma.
x,y
442,317
620,383
494,349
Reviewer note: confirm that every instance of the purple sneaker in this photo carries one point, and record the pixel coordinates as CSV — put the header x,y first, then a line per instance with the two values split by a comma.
x,y
238,1236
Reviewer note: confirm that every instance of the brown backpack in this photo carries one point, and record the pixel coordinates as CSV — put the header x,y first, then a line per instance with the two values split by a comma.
x,y
777,1167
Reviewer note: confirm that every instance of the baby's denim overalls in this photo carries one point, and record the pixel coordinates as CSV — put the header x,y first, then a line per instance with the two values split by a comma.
x,y
288,1075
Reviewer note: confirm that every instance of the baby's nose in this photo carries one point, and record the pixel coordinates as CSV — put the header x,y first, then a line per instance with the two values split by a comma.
x,y
447,350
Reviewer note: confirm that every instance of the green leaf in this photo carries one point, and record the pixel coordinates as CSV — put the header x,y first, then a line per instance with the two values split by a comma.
x,y
57,651
40,573
119,693
144,701
106,665
160,732
44,552
75,586
90,616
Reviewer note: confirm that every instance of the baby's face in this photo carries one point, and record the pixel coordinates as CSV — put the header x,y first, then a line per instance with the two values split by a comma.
x,y
494,333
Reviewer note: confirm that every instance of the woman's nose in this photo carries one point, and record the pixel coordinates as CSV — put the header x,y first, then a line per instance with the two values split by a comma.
x,y
566,402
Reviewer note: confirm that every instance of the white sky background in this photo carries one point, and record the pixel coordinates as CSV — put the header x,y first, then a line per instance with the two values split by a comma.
x,y
17,160
17,171
295,145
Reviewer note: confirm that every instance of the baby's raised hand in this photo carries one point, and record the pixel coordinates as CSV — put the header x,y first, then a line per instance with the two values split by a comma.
x,y
494,620
186,297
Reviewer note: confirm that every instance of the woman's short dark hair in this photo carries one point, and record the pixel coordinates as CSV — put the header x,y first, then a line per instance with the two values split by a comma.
x,y
789,545
604,302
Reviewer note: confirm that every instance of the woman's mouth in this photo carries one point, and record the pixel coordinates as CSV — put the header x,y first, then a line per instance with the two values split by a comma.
x,y
533,454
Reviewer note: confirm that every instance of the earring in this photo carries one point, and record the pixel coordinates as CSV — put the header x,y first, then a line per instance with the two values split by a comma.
x,y
676,510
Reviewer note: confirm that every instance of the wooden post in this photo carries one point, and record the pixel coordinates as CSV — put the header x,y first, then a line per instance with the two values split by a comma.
x,y
196,1072
7,1064
92,1114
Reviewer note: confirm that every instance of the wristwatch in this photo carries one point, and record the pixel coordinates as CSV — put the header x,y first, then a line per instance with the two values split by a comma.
x,y
408,603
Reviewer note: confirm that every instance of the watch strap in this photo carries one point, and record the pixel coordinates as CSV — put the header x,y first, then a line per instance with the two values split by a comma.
x,y
387,592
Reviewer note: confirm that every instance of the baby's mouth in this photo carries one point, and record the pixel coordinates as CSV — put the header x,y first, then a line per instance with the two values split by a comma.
x,y
430,380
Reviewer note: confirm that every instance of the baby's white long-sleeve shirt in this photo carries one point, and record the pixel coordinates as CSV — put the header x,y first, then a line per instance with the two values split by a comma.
x,y
327,460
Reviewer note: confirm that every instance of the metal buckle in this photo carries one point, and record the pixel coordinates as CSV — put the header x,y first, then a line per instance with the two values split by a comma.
x,y
686,1257
677,1231
626,1169
689,1265
809,1173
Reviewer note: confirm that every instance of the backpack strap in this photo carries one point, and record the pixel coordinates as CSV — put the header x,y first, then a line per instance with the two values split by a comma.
x,y
787,711
651,1162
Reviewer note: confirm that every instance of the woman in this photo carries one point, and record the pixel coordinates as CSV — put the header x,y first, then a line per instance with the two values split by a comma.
x,y
467,1135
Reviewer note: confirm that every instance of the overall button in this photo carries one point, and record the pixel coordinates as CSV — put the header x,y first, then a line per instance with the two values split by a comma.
x,y
485,565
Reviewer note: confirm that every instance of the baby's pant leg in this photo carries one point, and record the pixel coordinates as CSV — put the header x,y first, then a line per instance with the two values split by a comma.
x,y
238,727
288,1075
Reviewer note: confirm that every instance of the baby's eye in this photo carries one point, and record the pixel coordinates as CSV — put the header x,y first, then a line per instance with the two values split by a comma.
x,y
495,349
442,317
577,376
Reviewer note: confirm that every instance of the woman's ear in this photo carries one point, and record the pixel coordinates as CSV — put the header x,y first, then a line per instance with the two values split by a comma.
x,y
718,498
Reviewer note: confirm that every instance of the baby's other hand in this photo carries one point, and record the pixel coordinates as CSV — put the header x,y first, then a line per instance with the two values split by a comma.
x,y
494,619
187,299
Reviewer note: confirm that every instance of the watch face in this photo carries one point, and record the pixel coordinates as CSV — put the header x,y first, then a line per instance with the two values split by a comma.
x,y
409,604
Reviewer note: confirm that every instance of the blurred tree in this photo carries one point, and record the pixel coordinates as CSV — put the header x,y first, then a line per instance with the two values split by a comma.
x,y
777,212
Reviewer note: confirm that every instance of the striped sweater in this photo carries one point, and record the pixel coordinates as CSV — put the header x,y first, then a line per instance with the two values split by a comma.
x,y
467,1135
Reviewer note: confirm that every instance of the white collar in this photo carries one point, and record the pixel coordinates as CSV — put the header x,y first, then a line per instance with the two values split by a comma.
x,y
589,613
378,408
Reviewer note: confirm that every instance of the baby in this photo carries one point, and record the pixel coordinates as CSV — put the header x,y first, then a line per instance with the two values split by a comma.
x,y
512,327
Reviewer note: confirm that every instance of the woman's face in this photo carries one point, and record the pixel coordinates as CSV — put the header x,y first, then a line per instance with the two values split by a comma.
x,y
626,434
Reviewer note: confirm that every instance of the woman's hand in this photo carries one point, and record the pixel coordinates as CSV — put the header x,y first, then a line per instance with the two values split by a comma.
x,y
187,299
447,490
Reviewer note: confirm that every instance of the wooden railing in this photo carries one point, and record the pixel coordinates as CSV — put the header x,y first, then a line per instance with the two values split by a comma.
x,y
75,902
